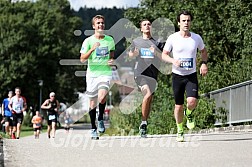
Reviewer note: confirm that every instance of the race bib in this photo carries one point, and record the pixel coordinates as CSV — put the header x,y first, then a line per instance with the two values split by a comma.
x,y
186,63
17,108
146,53
38,124
102,52
51,117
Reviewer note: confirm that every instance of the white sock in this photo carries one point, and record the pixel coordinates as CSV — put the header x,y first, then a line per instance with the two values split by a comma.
x,y
144,122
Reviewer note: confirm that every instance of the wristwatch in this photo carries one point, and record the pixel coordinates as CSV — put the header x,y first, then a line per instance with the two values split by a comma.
x,y
203,62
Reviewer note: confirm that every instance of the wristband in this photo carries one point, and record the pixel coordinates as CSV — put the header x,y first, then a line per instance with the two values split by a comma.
x,y
203,62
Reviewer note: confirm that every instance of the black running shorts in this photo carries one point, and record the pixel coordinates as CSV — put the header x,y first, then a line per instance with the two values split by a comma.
x,y
17,118
8,119
51,118
180,84
145,80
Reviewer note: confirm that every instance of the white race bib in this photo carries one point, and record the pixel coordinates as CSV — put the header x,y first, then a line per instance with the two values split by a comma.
x,y
186,63
102,52
51,117
146,53
17,108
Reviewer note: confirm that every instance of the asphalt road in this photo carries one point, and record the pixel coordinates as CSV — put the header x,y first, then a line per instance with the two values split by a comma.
x,y
78,150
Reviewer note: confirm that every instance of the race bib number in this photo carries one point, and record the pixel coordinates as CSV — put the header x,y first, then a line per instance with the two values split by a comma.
x,y
186,63
102,52
146,53
51,117
17,108
38,124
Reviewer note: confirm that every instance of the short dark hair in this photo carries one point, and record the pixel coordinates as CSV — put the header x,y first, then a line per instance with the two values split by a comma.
x,y
184,12
140,23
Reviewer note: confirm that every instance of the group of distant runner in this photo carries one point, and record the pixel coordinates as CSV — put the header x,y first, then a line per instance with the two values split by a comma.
x,y
14,106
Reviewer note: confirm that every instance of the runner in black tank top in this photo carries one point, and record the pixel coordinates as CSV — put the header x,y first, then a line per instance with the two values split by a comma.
x,y
52,107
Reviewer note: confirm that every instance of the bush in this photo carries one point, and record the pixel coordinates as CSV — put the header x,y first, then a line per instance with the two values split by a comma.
x,y
27,119
161,120
120,122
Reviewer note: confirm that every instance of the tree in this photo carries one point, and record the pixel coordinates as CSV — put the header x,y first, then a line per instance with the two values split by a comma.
x,y
34,37
226,30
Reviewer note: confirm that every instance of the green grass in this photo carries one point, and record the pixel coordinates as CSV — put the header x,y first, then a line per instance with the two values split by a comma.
x,y
25,131
28,131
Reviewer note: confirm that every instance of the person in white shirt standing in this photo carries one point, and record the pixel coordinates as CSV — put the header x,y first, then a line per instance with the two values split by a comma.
x,y
183,45
17,106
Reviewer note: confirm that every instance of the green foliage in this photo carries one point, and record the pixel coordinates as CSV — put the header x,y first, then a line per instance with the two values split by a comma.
x,y
225,27
161,119
27,119
124,122
34,37
116,98
205,114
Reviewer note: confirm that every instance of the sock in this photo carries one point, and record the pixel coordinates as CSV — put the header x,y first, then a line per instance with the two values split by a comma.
x,y
144,122
92,114
188,112
180,127
101,111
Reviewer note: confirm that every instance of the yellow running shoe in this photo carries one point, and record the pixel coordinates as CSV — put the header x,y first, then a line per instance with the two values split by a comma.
x,y
180,137
190,123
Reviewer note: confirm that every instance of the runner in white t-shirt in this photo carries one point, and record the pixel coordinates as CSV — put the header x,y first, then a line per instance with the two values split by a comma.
x,y
17,106
184,45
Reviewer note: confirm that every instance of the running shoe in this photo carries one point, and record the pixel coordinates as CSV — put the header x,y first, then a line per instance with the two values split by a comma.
x,y
143,130
94,134
190,123
180,137
13,136
101,127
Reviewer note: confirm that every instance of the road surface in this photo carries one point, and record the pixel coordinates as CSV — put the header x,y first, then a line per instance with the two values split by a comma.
x,y
77,149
